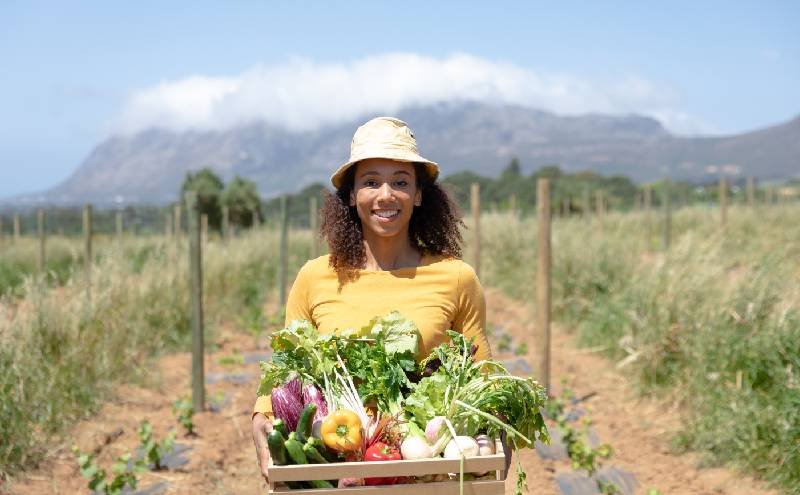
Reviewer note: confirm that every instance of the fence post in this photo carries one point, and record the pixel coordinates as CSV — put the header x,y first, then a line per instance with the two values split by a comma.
x,y
751,192
284,251
16,228
512,203
543,282
226,224
648,219
177,229
168,225
204,229
475,200
312,221
196,295
256,223
637,201
667,214
587,203
120,225
40,219
87,249
723,201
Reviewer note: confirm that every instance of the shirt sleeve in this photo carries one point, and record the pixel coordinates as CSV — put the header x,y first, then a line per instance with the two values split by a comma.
x,y
297,308
470,318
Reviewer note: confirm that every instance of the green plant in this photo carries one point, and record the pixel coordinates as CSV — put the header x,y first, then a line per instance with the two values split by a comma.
x,y
124,471
184,409
153,451
522,349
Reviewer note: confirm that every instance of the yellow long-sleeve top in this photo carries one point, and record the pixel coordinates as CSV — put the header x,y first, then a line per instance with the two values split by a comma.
x,y
441,294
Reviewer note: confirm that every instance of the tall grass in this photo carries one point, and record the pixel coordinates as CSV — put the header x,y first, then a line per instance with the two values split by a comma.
x,y
713,322
61,354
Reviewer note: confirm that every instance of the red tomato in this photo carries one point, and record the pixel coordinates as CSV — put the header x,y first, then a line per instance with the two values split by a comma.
x,y
380,451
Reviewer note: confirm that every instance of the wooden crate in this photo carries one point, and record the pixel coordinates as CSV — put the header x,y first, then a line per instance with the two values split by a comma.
x,y
498,462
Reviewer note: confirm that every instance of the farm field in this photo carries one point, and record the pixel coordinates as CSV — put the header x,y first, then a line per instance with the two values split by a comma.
x,y
700,340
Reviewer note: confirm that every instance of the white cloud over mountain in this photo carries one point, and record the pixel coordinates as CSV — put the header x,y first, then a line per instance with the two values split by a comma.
x,y
303,94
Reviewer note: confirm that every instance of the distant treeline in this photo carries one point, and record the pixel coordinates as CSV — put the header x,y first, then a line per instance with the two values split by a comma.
x,y
511,189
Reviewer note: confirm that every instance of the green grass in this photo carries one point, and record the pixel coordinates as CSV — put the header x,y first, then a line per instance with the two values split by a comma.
x,y
690,320
61,355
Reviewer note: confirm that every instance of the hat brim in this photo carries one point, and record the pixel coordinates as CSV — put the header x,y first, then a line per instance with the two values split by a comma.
x,y
431,167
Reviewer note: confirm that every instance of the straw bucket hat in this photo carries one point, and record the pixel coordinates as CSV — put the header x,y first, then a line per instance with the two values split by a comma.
x,y
384,137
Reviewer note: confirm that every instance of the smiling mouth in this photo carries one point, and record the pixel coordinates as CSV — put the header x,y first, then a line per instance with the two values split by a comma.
x,y
386,213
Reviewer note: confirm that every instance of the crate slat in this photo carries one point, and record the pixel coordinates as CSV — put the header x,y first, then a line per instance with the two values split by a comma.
x,y
421,467
489,487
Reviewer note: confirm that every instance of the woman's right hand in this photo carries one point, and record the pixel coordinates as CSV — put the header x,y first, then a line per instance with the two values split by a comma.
x,y
261,428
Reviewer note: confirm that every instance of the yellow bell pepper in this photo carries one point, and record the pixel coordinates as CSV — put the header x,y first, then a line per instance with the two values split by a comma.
x,y
341,431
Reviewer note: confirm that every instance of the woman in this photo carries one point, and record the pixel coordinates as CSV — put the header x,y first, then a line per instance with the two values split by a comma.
x,y
394,242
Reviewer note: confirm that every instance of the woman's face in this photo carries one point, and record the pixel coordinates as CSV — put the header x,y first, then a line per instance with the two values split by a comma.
x,y
384,194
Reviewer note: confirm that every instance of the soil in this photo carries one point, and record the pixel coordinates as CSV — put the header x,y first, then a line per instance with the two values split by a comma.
x,y
222,459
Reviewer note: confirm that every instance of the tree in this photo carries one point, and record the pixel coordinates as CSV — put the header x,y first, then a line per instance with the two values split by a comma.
x,y
242,199
209,187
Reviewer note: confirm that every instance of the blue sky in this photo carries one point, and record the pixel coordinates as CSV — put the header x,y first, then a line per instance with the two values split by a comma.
x,y
76,72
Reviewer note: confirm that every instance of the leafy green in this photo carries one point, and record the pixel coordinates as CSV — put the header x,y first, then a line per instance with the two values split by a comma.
x,y
395,332
478,396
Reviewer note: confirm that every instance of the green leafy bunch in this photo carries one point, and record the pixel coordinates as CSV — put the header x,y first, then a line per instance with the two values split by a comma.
x,y
478,396
381,368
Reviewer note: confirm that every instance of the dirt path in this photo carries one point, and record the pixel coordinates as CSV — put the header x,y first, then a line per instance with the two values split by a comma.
x,y
221,459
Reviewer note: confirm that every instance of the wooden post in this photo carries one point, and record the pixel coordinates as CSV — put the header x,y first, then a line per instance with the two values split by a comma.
x,y
723,201
87,249
599,204
40,219
284,251
204,229
667,214
751,192
543,282
168,224
256,218
226,224
475,200
120,225
177,228
587,203
637,201
16,228
313,217
512,203
648,219
196,294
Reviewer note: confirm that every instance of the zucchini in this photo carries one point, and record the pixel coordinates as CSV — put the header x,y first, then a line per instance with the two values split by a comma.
x,y
320,447
304,424
321,484
277,449
280,425
295,450
312,454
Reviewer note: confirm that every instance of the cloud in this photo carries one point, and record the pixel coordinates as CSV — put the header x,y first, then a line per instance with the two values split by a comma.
x,y
302,94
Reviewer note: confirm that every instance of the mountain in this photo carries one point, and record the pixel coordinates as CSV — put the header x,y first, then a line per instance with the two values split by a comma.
x,y
149,167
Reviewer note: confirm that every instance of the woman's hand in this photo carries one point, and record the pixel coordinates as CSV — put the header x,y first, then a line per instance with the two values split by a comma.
x,y
261,428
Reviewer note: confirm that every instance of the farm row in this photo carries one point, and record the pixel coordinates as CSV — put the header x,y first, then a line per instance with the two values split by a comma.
x,y
711,322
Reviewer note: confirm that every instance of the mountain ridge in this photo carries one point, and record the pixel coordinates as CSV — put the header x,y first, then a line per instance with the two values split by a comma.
x,y
148,167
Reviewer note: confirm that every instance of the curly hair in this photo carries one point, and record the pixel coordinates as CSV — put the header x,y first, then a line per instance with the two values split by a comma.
x,y
434,228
